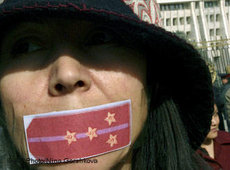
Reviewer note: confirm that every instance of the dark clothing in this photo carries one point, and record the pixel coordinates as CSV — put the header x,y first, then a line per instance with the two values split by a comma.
x,y
221,152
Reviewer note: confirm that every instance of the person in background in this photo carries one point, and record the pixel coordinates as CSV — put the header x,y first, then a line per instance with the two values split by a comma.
x,y
216,147
223,100
59,55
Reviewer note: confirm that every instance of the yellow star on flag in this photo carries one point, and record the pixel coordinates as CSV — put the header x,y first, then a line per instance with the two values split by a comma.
x,y
91,133
110,118
70,137
112,140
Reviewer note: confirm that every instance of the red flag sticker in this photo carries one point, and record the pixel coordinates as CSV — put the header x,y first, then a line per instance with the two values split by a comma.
x,y
78,134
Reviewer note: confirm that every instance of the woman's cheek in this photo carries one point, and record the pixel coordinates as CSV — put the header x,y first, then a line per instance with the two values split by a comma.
x,y
132,88
17,95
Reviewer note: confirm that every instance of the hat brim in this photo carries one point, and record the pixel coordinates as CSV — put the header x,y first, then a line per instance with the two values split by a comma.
x,y
165,52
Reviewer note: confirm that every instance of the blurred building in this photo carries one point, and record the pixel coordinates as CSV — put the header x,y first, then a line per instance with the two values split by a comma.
x,y
205,23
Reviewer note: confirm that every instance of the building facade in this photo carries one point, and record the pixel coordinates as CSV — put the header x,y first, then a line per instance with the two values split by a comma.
x,y
205,23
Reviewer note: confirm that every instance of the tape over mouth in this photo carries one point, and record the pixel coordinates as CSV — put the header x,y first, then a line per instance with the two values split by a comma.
x,y
71,135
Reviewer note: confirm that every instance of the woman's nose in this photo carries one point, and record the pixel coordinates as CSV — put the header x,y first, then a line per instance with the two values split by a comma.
x,y
68,75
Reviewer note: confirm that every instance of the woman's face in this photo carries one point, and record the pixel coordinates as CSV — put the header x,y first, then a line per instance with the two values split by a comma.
x,y
214,125
60,64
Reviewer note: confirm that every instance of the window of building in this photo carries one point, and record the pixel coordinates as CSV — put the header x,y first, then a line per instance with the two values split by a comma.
x,y
206,4
166,7
217,31
162,7
227,2
172,7
175,21
211,18
217,17
188,34
175,6
168,22
216,3
210,4
186,5
197,5
182,20
211,32
188,20
212,45
178,6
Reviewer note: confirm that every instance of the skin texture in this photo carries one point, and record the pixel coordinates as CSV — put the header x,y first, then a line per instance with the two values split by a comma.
x,y
214,125
213,133
61,64
224,80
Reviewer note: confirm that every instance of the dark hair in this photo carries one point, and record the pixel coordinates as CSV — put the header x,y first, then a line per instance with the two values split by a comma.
x,y
164,142
10,159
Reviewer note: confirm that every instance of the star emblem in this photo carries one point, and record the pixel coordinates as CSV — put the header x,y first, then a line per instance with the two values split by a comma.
x,y
110,118
91,133
70,137
112,140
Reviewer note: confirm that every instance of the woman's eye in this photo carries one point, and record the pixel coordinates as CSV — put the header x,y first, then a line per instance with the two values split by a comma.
x,y
102,37
25,47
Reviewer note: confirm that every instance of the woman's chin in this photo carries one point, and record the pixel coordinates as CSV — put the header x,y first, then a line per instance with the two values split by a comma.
x,y
112,160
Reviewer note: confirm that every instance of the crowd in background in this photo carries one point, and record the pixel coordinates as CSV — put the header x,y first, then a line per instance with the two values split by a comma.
x,y
216,147
222,99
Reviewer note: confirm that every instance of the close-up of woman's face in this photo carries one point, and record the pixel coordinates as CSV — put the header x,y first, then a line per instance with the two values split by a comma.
x,y
59,64
214,124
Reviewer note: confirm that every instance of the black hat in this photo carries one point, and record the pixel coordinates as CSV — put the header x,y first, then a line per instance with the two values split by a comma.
x,y
166,53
